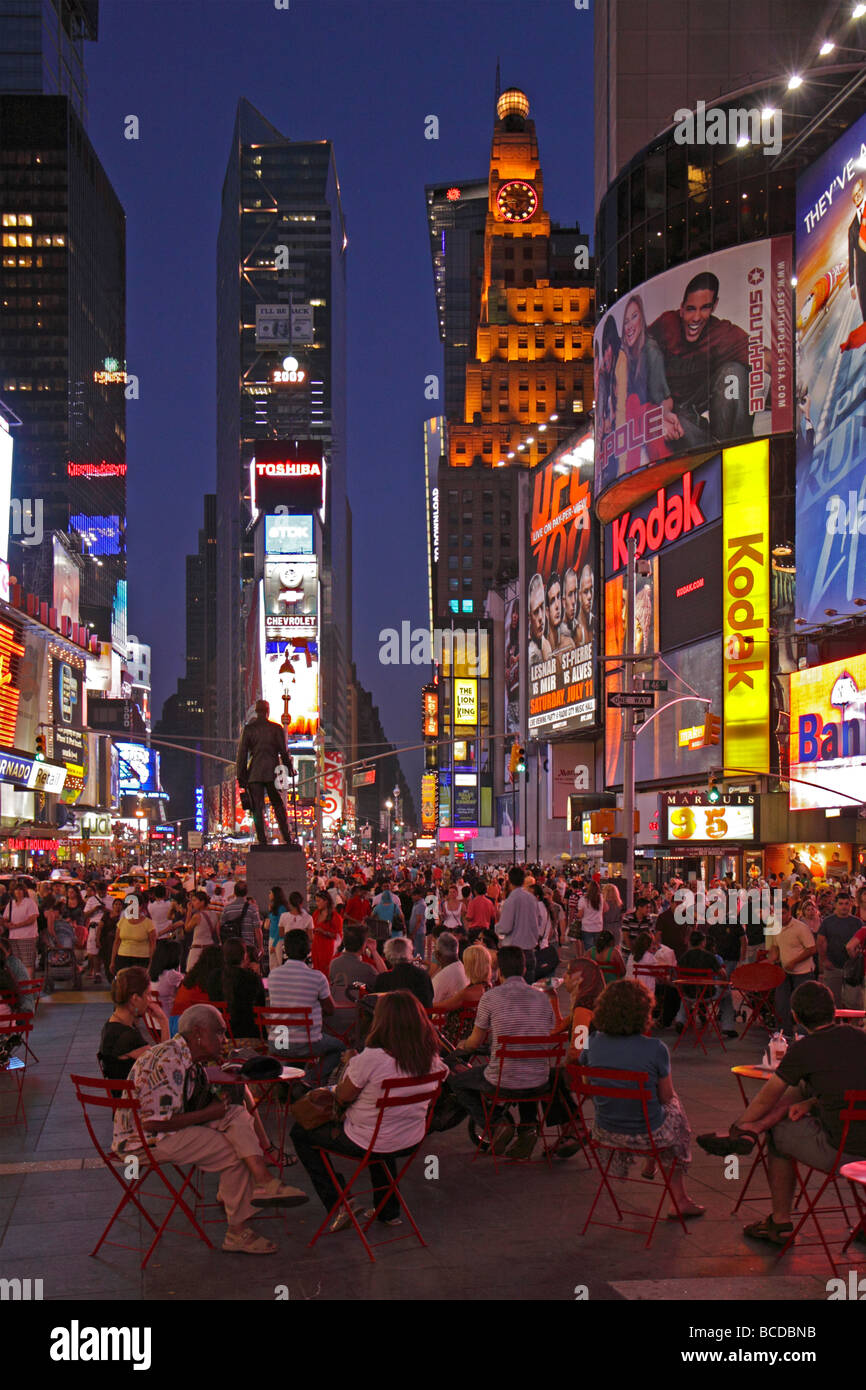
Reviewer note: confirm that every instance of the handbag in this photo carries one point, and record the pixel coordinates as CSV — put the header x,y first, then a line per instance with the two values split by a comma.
x,y
314,1108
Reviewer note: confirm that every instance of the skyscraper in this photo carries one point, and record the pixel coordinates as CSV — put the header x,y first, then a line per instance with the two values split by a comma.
x,y
63,326
280,301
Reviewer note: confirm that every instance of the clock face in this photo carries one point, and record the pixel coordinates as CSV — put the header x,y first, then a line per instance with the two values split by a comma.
x,y
516,201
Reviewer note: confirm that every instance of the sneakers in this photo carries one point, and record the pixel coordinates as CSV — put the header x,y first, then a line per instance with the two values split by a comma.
x,y
278,1194
527,1138
502,1136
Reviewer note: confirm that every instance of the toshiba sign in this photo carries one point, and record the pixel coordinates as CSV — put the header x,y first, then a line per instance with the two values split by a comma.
x,y
287,475
673,513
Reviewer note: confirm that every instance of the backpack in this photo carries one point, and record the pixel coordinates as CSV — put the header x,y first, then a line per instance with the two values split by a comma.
x,y
232,930
854,969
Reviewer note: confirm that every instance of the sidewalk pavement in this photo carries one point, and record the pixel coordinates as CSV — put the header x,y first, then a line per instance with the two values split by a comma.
x,y
509,1234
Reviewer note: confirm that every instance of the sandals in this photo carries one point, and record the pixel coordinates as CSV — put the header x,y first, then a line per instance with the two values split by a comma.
x,y
248,1244
277,1194
768,1229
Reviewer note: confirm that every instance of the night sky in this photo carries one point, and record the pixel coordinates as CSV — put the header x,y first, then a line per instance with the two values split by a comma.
x,y
364,74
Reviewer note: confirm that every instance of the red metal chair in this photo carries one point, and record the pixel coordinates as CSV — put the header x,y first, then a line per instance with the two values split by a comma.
x,y
98,1094
13,1002
535,1047
297,1021
856,1175
757,983
453,1025
700,993
32,990
12,1025
604,1083
397,1093
854,1113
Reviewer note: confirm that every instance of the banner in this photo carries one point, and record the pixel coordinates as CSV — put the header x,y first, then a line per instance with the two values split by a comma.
x,y
746,608
831,384
828,735
561,596
699,356
572,771
429,787
332,795
272,325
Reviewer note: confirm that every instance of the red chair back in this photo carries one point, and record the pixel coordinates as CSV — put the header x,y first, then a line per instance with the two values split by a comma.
x,y
608,1083
853,1114
98,1094
16,1023
398,1092
298,1020
535,1047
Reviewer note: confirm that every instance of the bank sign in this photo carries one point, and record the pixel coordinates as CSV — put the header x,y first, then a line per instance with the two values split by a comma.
x,y
673,513
828,735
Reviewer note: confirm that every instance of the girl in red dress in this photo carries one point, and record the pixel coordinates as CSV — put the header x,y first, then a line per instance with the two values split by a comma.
x,y
327,932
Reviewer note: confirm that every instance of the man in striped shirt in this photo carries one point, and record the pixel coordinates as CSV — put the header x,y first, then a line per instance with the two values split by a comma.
x,y
514,1009
295,985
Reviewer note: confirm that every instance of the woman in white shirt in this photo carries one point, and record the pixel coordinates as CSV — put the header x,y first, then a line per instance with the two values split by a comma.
x,y
590,912
401,1043
297,917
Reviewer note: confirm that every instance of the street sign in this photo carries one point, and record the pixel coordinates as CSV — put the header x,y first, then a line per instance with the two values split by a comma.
x,y
648,684
194,839
627,699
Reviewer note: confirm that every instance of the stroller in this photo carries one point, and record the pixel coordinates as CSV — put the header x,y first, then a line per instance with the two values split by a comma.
x,y
60,964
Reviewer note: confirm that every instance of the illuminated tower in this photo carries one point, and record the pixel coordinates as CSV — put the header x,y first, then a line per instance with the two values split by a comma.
x,y
530,379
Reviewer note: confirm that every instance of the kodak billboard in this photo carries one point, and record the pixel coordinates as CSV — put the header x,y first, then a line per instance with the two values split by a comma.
x,y
746,608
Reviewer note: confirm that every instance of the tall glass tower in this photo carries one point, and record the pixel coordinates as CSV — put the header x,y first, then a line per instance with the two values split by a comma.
x,y
281,259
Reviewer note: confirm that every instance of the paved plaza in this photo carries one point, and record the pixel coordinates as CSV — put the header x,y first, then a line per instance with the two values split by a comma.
x,y
508,1234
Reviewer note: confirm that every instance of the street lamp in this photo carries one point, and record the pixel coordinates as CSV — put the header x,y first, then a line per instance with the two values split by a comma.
x,y
389,806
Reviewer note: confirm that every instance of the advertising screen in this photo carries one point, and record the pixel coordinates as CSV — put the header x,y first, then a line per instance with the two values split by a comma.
x,y
332,792
291,592
100,534
466,702
704,824
690,590
746,608
699,356
288,535
291,669
508,815
828,735
287,473
139,770
572,771
512,666
6,448
428,802
67,582
561,596
831,386
673,513
659,751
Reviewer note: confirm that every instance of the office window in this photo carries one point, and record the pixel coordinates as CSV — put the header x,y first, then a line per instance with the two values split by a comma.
x,y
467,495
454,605
467,585
467,562
468,605
452,562
453,584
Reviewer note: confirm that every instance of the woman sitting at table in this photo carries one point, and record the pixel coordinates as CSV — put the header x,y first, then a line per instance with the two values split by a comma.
x,y
478,965
623,1020
607,957
401,1043
124,1037
234,984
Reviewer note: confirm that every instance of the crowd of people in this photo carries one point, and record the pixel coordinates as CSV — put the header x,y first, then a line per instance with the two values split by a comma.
x,y
419,973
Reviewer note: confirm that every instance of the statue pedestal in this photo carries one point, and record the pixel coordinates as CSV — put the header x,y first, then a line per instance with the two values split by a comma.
x,y
275,866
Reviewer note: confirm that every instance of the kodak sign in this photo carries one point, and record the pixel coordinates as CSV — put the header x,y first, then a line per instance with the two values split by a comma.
x,y
746,607
675,512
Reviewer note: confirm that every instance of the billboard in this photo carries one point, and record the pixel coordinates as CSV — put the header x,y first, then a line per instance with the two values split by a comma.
x,y
466,702
290,684
572,772
831,389
291,594
288,535
287,473
700,356
690,590
67,583
6,449
11,651
70,740
273,325
689,819
828,735
512,666
673,513
139,770
101,534
302,323
429,787
563,548
746,608
332,793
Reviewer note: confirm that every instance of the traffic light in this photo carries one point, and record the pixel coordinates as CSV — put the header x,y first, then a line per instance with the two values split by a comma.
x,y
521,759
513,760
714,793
712,726
602,822
40,748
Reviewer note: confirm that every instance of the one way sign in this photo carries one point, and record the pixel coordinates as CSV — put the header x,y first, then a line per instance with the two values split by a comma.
x,y
626,699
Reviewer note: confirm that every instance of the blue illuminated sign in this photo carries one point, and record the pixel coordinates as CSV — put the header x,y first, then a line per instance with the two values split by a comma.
x,y
100,534
199,809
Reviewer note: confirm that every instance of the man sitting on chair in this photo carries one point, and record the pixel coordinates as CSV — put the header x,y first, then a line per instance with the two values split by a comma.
x,y
801,1106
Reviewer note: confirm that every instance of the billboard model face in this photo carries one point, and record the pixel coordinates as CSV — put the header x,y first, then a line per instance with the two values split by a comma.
x,y
828,735
700,356
831,386
561,597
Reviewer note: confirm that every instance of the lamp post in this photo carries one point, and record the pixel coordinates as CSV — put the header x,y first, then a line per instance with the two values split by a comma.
x,y
389,806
